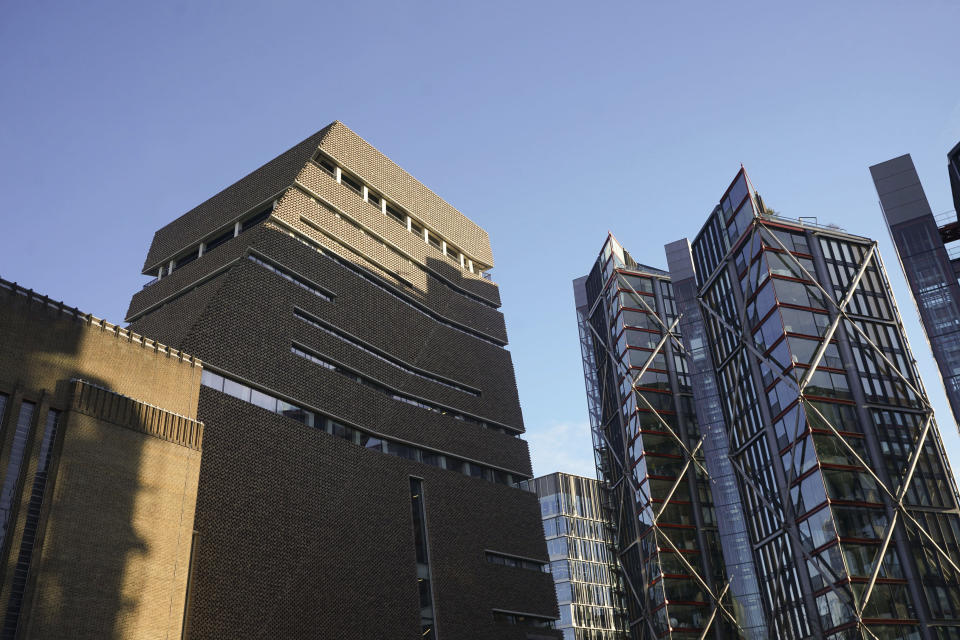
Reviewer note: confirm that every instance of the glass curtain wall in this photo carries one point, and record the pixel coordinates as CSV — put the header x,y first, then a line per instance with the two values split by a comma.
x,y
579,543
852,506
649,451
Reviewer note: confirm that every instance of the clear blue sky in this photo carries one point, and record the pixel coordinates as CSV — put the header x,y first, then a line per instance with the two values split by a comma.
x,y
547,123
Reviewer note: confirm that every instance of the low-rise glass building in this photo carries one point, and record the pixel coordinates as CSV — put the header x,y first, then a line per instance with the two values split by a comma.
x,y
579,541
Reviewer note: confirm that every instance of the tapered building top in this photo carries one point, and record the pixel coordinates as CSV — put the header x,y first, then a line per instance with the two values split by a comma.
x,y
356,157
359,405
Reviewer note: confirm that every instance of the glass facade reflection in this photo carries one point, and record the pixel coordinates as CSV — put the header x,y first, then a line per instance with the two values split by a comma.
x,y
649,451
929,250
851,506
580,544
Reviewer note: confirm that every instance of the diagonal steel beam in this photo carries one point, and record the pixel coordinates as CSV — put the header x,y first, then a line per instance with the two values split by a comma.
x,y
830,300
713,613
628,473
825,343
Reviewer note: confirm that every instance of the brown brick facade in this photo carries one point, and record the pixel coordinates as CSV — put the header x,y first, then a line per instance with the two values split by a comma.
x,y
360,157
323,541
300,532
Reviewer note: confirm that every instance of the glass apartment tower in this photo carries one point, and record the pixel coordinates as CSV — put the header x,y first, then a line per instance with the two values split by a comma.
x,y
850,502
929,252
648,451
580,542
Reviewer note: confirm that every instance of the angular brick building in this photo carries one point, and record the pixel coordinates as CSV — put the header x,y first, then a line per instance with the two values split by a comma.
x,y
362,426
99,465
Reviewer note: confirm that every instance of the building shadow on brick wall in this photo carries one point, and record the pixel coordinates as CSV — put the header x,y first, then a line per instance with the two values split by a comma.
x,y
83,557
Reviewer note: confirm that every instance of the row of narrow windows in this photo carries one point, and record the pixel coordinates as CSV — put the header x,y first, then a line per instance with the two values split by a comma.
x,y
316,323
358,437
206,247
249,222
397,214
380,355
520,563
355,184
286,274
306,353
372,279
523,620
401,256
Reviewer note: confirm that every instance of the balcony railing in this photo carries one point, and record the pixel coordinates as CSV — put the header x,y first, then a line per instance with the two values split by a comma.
x,y
945,218
807,221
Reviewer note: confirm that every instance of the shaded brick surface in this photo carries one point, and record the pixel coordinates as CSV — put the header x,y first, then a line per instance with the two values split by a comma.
x,y
315,535
302,533
116,549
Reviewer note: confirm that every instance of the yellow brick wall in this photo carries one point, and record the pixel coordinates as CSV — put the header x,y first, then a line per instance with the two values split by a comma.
x,y
110,556
116,548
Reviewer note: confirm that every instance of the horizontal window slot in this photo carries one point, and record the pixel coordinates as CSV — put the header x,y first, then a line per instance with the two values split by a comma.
x,y
305,352
399,216
256,219
185,260
286,274
520,563
383,286
351,182
326,164
523,619
219,240
380,355
375,442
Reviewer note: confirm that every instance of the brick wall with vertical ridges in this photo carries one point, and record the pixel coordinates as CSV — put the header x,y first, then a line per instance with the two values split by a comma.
x,y
143,538
113,528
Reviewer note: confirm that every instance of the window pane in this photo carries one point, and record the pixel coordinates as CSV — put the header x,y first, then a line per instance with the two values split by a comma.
x,y
210,379
263,400
236,390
